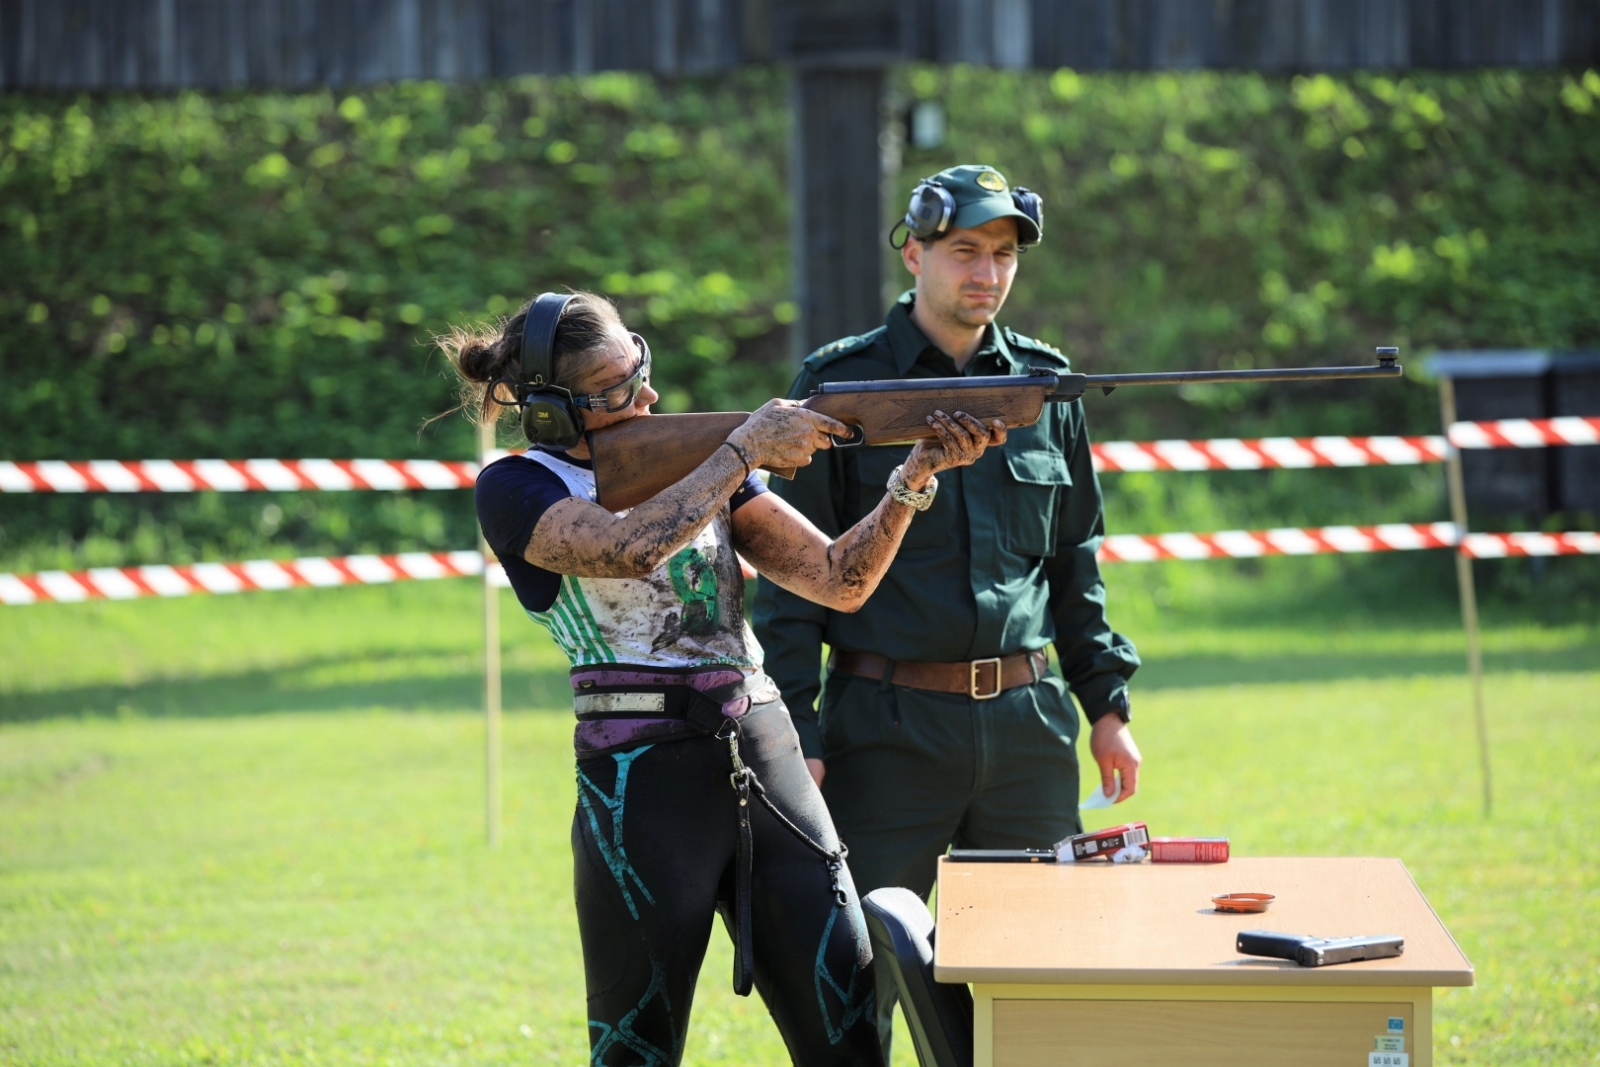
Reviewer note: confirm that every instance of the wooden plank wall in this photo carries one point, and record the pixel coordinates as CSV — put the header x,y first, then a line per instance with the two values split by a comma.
x,y
164,44
160,44
167,43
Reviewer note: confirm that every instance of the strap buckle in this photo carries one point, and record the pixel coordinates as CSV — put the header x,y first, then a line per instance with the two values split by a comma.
x,y
972,681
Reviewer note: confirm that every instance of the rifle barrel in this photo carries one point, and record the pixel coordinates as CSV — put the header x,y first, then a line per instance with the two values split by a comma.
x,y
1269,374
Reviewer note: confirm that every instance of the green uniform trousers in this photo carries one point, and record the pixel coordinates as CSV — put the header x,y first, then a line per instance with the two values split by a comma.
x,y
911,773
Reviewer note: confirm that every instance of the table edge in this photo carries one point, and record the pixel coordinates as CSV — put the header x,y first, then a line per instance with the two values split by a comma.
x,y
1301,977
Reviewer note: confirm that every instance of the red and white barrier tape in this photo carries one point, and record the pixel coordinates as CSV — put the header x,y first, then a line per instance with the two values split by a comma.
x,y
232,475
1498,546
1223,453
1526,433
129,583
1227,453
1246,544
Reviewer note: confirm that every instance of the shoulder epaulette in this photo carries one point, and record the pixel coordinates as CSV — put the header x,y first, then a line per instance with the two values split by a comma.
x,y
845,346
1035,347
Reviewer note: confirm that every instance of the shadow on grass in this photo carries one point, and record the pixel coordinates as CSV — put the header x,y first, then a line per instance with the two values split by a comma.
x,y
260,692
1202,671
400,686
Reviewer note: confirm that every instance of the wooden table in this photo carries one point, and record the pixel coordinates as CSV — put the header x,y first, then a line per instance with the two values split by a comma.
x,y
1099,964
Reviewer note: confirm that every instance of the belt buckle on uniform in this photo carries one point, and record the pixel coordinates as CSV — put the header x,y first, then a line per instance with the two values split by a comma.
x,y
972,681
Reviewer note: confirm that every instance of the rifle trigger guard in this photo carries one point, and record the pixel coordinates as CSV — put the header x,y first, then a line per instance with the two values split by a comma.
x,y
857,436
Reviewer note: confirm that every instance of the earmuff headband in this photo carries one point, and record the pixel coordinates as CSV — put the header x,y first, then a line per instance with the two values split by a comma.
x,y
539,339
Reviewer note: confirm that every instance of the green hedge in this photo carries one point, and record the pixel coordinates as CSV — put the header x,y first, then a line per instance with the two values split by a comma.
x,y
259,274
1203,219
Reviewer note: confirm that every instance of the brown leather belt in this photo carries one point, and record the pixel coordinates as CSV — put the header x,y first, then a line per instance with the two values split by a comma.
x,y
980,679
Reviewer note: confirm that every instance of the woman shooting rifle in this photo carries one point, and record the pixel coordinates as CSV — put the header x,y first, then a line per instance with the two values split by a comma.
x,y
693,798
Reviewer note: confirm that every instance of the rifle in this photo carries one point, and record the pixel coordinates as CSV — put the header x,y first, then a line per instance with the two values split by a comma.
x,y
637,458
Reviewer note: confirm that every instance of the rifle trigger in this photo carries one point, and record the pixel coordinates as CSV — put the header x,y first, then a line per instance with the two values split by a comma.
x,y
858,434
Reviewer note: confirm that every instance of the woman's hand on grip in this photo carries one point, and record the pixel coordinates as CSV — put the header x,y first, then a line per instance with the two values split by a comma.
x,y
782,433
959,441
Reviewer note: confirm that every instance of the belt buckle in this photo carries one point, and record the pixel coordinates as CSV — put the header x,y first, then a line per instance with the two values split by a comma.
x,y
972,679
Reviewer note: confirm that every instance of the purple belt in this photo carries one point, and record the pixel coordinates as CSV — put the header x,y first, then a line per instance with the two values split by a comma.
x,y
624,707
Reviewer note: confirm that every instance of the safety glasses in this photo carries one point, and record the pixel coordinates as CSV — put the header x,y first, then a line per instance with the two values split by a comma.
x,y
622,396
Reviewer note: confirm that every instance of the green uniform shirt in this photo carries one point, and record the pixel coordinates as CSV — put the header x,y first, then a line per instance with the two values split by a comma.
x,y
1004,560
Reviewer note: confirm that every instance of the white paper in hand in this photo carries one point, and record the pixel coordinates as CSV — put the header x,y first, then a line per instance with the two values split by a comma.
x,y
1097,798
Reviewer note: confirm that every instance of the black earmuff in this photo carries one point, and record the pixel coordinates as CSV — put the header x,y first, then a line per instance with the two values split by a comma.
x,y
1030,204
549,417
932,209
929,213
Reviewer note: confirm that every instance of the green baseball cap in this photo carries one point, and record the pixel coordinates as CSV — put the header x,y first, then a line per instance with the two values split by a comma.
x,y
970,195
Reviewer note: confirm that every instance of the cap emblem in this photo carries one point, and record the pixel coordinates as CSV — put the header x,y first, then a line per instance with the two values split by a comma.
x,y
992,181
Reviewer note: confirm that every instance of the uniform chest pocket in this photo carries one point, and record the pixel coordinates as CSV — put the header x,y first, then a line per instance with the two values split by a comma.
x,y
1031,502
929,529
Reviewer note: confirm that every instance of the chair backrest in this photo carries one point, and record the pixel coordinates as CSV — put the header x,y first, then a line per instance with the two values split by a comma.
x,y
939,1016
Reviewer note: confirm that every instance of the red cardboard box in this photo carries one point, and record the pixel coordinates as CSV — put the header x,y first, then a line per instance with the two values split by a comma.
x,y
1189,850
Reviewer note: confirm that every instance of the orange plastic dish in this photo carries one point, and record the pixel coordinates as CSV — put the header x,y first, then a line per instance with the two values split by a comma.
x,y
1243,902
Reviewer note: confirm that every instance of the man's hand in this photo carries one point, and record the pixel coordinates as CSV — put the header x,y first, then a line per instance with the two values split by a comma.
x,y
1111,744
817,771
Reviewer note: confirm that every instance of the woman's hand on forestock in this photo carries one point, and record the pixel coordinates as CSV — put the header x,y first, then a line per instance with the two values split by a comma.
x,y
959,440
781,433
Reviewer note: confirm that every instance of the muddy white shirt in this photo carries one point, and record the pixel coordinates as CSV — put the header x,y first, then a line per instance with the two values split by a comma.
x,y
688,612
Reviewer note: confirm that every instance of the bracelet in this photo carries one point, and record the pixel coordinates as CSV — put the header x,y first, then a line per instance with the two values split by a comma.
x,y
743,457
910,497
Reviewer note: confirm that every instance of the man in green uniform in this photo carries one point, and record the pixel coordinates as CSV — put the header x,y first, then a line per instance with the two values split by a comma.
x,y
939,722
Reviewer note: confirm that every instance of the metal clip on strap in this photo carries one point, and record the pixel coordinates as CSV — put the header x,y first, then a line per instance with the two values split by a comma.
x,y
744,781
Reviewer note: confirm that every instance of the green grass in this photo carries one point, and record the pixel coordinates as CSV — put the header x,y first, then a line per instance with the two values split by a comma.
x,y
249,829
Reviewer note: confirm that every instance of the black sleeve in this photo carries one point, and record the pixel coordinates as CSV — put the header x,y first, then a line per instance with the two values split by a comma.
x,y
753,487
1095,660
512,495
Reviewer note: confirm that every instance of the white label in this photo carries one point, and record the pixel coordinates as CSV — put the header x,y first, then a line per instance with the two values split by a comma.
x,y
617,703
1388,1059
1390,1043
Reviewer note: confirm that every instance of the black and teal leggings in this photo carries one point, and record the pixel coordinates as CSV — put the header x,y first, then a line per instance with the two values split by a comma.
x,y
653,845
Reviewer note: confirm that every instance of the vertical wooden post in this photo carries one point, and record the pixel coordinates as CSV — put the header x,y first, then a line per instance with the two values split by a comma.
x,y
1469,596
836,218
491,669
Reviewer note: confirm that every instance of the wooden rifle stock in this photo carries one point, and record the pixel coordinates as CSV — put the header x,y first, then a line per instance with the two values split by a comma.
x,y
639,457
636,459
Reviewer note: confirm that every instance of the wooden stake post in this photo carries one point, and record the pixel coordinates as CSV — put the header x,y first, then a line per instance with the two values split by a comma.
x,y
491,670
1469,596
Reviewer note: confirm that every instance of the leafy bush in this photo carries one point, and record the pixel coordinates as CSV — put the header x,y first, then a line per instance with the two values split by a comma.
x,y
1234,220
259,274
